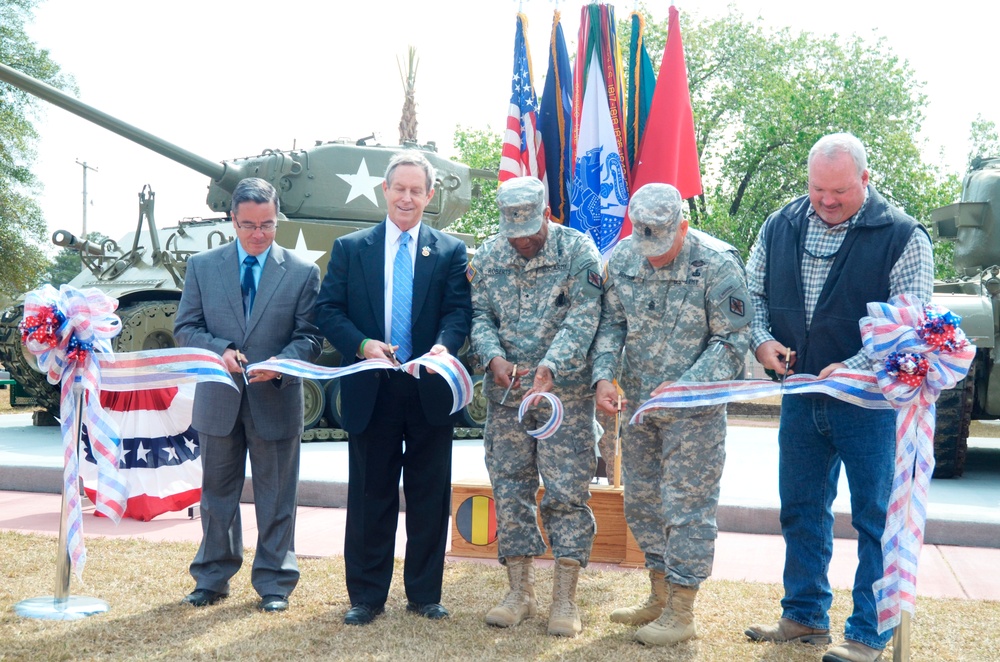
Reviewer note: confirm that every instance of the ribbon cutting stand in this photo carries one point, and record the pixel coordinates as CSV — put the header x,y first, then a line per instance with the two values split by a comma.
x,y
62,606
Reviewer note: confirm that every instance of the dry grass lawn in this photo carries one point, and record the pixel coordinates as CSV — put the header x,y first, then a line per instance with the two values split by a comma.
x,y
144,582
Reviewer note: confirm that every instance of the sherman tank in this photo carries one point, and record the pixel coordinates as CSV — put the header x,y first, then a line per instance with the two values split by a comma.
x,y
973,224
327,190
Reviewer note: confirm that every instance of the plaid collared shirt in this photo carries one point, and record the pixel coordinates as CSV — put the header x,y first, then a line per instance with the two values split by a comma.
x,y
913,273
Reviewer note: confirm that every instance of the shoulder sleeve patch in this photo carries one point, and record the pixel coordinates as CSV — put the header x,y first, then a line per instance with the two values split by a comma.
x,y
470,273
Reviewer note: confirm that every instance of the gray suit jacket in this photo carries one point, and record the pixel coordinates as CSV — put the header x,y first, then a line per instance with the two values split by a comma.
x,y
210,316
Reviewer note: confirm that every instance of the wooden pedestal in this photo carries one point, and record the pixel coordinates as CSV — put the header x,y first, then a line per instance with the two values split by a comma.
x,y
473,525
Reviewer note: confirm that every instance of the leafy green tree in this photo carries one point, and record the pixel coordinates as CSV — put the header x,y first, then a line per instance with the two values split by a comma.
x,y
67,263
761,98
479,148
983,139
22,228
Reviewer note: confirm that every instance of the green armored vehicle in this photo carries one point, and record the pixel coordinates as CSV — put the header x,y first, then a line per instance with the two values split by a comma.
x,y
326,191
974,225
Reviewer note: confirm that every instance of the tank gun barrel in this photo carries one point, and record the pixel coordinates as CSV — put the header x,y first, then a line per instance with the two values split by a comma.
x,y
66,239
56,97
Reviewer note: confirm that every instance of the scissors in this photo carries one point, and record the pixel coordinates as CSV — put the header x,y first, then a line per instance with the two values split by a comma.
x,y
513,376
242,360
788,358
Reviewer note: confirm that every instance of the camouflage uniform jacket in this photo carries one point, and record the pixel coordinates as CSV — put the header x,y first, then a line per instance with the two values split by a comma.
x,y
542,311
686,321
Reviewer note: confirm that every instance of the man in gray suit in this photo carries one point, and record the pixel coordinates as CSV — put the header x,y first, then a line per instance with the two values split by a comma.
x,y
248,301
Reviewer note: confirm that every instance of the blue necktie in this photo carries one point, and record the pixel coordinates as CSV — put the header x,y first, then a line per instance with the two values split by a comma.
x,y
249,285
402,299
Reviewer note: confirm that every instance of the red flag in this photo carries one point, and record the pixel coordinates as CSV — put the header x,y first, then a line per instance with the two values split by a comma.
x,y
668,153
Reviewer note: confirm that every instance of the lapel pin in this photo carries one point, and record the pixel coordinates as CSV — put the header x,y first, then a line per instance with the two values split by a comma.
x,y
425,251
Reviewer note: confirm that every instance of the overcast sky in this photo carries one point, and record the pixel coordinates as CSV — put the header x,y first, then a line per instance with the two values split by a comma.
x,y
229,79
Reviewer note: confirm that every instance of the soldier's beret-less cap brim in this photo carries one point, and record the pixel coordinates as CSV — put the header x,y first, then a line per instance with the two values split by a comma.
x,y
522,207
655,212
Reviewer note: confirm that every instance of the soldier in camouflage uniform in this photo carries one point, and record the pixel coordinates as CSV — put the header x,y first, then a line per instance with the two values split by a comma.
x,y
676,300
536,301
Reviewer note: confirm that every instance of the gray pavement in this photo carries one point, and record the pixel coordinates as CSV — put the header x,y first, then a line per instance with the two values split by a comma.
x,y
964,511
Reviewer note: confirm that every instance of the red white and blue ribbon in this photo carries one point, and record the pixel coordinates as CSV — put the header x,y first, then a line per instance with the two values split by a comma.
x,y
69,332
917,351
856,387
555,418
161,368
446,365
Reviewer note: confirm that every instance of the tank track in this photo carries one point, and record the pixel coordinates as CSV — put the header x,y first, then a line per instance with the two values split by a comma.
x,y
13,359
951,434
337,434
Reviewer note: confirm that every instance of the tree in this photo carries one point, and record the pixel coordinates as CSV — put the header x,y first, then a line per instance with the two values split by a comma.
x,y
983,140
22,227
479,148
762,98
408,120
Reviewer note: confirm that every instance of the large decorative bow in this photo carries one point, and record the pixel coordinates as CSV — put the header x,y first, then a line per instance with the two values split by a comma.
x,y
63,329
916,351
69,332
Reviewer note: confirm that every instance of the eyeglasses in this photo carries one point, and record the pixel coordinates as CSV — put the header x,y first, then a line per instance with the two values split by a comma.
x,y
266,228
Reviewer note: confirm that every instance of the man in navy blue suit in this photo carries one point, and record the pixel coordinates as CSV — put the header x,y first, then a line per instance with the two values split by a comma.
x,y
398,290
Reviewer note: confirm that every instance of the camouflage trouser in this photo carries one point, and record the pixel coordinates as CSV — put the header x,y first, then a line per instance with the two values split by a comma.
x,y
671,470
566,462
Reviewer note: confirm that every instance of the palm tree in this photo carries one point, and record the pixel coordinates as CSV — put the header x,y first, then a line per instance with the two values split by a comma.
x,y
408,120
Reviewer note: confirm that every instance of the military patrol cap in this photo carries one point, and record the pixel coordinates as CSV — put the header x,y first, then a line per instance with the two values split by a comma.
x,y
522,207
655,212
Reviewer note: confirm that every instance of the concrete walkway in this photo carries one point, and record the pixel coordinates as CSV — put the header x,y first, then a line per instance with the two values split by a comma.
x,y
958,561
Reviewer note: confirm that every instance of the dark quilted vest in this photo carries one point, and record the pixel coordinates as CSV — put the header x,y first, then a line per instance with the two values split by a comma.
x,y
860,274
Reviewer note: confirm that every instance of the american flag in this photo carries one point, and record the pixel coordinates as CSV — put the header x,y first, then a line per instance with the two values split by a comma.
x,y
522,154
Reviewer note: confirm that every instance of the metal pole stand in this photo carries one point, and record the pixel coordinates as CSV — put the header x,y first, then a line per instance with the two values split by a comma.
x,y
901,638
62,606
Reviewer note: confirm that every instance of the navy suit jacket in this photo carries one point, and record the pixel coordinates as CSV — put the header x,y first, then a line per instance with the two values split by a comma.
x,y
351,308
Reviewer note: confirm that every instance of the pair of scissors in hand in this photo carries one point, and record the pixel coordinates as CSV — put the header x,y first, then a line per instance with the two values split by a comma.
x,y
513,378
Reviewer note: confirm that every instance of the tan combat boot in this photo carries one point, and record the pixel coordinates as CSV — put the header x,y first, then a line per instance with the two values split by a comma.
x,y
564,617
653,607
676,623
519,603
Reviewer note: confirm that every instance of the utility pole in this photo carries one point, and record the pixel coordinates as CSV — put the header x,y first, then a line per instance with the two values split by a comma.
x,y
85,169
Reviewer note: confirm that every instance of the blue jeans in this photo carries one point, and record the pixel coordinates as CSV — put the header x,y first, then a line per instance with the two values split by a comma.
x,y
816,436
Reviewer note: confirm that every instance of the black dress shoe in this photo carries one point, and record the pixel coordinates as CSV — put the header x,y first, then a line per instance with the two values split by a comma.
x,y
273,603
362,614
431,610
202,597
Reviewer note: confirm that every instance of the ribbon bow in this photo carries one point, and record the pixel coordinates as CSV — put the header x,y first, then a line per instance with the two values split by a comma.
x,y
63,329
916,351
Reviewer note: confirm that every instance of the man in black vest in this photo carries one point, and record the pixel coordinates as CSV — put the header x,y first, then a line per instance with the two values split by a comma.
x,y
816,264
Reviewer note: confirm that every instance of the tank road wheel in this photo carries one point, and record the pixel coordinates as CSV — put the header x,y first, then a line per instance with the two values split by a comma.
x,y
146,325
951,433
13,359
314,401
474,414
333,410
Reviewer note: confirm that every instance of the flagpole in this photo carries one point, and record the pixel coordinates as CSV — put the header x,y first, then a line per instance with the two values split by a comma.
x,y
901,638
62,606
